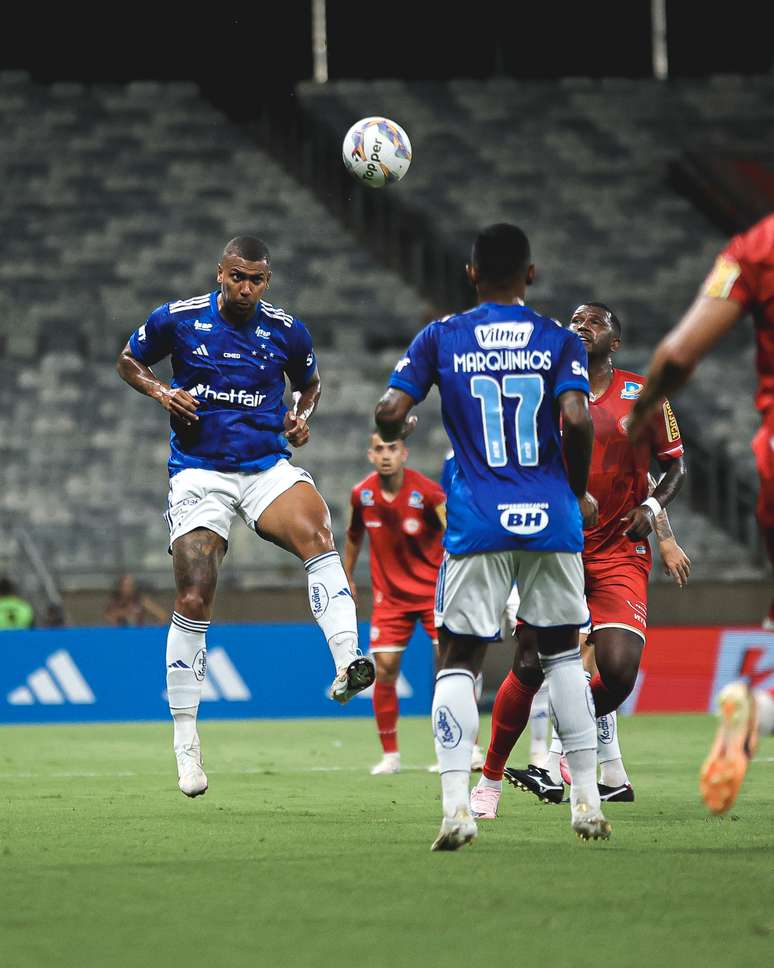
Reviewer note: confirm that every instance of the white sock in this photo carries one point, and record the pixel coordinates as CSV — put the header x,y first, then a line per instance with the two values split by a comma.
x,y
574,721
488,784
612,772
186,669
538,727
478,686
455,727
332,606
552,760
185,734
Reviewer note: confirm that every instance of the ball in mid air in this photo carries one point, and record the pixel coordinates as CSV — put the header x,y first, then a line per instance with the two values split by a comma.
x,y
376,151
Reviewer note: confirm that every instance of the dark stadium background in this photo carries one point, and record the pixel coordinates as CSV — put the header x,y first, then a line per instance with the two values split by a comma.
x,y
248,63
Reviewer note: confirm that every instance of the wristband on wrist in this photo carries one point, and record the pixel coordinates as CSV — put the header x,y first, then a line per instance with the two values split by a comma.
x,y
654,506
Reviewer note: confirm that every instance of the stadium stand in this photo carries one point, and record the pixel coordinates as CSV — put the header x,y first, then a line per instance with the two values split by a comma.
x,y
119,198
128,199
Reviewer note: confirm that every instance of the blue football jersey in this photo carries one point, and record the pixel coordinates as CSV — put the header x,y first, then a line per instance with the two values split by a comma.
x,y
499,370
237,373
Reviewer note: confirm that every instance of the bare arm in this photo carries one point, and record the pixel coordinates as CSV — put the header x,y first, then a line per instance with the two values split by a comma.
x,y
305,402
577,444
352,548
391,415
676,356
676,562
175,400
640,521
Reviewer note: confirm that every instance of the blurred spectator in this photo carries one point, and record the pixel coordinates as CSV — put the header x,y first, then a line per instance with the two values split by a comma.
x,y
130,605
54,617
15,612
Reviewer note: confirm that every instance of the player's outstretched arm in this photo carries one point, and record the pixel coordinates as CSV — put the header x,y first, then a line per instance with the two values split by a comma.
x,y
577,444
305,400
392,415
678,353
175,400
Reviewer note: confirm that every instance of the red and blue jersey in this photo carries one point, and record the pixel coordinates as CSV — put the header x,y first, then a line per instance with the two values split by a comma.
x,y
237,373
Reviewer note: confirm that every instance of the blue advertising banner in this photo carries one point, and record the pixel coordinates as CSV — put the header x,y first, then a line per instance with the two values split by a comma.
x,y
265,671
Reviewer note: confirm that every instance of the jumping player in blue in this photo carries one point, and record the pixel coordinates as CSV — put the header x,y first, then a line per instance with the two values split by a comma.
x,y
516,509
230,448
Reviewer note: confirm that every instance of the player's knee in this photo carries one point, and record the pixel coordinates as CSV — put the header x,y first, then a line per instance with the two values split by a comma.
x,y
619,673
526,665
386,674
194,603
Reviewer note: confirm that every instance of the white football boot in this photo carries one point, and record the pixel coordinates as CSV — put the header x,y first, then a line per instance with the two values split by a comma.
x,y
191,778
352,679
389,763
589,822
456,831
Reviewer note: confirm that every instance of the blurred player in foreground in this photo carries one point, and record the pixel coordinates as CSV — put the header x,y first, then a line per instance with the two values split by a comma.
x,y
741,281
230,450
616,565
516,509
404,513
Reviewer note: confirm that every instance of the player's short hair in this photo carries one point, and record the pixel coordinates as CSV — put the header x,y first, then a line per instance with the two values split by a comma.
x,y
247,247
613,318
501,253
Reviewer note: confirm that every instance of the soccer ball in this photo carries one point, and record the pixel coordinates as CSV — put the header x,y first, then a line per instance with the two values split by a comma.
x,y
376,151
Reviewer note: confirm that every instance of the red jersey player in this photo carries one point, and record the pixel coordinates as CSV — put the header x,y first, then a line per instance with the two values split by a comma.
x,y
741,281
616,561
404,513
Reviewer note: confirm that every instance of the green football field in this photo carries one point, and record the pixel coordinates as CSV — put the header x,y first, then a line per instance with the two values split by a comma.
x,y
296,856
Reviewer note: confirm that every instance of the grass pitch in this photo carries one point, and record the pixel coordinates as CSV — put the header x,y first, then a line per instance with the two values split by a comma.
x,y
297,857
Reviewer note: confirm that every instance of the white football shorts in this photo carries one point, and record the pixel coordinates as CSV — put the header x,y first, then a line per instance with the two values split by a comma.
x,y
211,499
472,591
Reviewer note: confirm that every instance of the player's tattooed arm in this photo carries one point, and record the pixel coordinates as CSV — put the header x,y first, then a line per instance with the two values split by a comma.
x,y
676,563
305,402
392,415
177,401
641,520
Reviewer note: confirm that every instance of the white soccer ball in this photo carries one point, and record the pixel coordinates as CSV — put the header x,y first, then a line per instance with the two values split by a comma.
x,y
376,151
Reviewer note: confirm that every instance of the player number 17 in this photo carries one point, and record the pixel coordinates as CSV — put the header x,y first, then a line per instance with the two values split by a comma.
x,y
528,388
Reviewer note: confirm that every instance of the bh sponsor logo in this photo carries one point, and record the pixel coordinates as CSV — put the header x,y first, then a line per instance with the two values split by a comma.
x,y
446,729
503,336
524,519
318,598
262,333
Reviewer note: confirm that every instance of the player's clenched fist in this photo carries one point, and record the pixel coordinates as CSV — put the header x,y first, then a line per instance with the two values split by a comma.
x,y
178,402
296,429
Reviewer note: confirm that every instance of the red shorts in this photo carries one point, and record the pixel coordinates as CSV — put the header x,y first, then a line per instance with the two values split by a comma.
x,y
763,448
617,593
392,627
